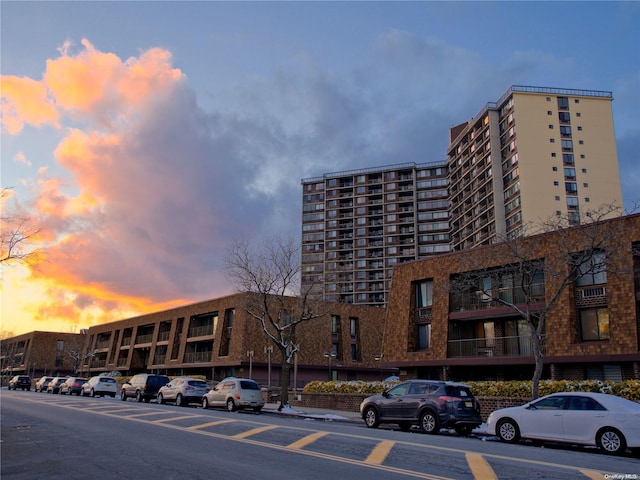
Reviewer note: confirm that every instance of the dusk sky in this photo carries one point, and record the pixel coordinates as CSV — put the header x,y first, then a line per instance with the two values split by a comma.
x,y
143,137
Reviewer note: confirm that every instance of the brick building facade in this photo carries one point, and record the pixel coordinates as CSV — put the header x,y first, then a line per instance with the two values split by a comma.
x,y
592,331
218,338
41,353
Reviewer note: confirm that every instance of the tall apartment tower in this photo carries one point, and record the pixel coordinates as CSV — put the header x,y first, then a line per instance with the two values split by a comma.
x,y
535,153
356,225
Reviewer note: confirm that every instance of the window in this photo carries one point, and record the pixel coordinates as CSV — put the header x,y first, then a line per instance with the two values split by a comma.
x,y
553,154
592,271
424,294
567,158
564,117
424,336
552,140
565,130
563,102
555,169
567,145
594,324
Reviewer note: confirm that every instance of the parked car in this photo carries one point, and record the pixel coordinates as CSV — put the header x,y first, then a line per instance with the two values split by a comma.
x,y
183,391
72,385
607,421
20,381
234,394
54,385
143,386
42,384
100,386
431,405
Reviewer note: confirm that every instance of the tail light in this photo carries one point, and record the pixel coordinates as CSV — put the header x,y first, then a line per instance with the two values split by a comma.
x,y
237,396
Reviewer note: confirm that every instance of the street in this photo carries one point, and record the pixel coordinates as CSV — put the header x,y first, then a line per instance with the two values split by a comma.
x,y
58,436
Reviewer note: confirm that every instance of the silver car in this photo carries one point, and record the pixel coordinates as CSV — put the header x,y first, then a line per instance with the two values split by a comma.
x,y
235,393
100,386
183,391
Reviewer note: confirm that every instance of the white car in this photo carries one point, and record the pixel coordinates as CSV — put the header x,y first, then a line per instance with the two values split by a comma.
x,y
607,421
235,393
100,387
183,391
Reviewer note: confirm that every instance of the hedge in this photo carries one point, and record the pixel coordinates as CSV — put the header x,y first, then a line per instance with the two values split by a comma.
x,y
629,389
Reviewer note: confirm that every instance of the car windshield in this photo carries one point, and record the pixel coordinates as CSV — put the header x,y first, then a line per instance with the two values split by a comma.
x,y
247,385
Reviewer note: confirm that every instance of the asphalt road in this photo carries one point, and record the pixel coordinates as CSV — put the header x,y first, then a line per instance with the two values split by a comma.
x,y
54,436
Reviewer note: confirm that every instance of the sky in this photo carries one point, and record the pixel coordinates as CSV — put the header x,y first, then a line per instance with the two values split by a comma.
x,y
142,138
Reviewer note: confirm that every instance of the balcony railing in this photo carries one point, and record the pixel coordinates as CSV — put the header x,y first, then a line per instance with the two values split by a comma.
x,y
201,331
513,346
477,300
144,338
197,357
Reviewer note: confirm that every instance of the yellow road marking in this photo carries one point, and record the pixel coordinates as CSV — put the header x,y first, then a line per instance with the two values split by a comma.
x,y
254,431
380,452
145,414
210,424
479,467
174,418
308,440
118,410
595,475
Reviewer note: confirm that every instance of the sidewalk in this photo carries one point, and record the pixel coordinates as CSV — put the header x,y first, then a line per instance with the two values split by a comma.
x,y
313,413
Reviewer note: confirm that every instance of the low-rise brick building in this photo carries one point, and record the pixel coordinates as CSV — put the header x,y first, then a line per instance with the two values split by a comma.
x,y
218,338
435,329
41,353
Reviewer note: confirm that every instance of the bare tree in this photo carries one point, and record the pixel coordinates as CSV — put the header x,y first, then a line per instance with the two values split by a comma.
x,y
516,273
17,236
271,272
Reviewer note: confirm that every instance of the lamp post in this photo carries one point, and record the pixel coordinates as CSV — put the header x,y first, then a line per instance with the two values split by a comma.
x,y
330,355
250,355
269,350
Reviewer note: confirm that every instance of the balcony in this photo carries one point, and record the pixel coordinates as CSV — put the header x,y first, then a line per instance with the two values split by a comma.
x,y
197,357
513,346
201,331
461,302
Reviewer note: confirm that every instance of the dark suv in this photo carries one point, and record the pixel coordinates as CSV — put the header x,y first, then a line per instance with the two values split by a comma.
x,y
429,404
143,386
20,381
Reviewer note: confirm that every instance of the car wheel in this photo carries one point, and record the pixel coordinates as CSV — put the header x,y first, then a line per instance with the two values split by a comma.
x,y
404,426
138,396
231,405
463,430
205,403
257,409
179,401
123,396
160,399
92,393
429,422
611,441
508,430
371,417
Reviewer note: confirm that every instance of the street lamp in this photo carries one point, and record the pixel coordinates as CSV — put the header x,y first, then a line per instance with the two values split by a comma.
x,y
330,355
250,355
269,350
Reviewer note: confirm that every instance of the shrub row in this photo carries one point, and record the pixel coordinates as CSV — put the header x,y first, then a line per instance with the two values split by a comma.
x,y
629,389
